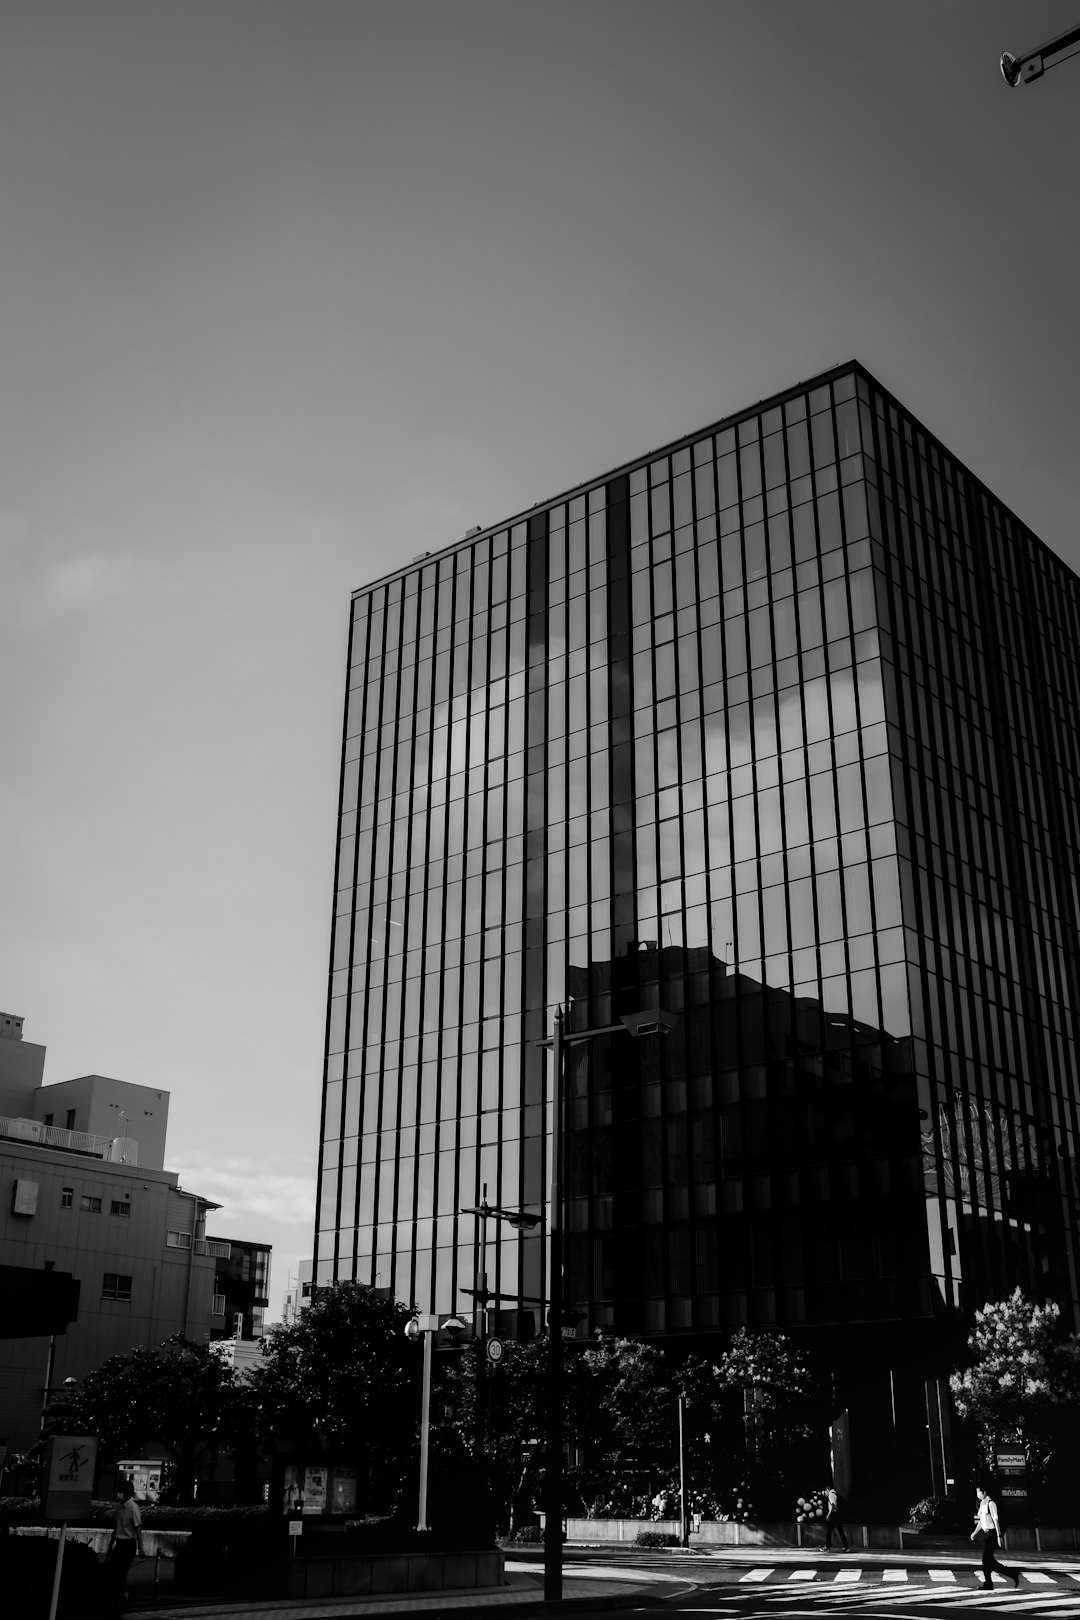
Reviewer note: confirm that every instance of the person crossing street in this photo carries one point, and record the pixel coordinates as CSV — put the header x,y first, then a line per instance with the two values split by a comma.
x,y
988,1525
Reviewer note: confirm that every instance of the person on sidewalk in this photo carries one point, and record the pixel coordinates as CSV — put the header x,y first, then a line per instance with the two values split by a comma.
x,y
834,1519
988,1525
126,1543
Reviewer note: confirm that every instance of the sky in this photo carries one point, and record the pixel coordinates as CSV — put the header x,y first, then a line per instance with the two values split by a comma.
x,y
291,292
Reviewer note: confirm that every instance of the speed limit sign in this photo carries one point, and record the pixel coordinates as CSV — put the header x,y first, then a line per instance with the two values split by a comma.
x,y
495,1350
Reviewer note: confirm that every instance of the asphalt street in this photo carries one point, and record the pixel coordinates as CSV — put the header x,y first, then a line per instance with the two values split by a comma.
x,y
807,1586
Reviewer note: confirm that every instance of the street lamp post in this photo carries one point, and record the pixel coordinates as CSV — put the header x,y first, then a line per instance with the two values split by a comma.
x,y
521,1221
651,1022
428,1326
553,1457
414,1328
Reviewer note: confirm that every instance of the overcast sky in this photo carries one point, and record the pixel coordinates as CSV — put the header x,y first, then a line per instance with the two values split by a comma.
x,y
291,292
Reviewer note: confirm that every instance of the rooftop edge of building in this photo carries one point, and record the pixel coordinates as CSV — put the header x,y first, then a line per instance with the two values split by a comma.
x,y
831,374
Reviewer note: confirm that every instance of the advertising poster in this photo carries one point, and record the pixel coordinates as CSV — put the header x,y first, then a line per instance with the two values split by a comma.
x,y
344,1491
315,1489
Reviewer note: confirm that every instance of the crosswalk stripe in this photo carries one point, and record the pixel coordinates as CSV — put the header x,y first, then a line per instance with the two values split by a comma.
x,y
942,1575
803,1575
1036,1576
847,1577
756,1575
894,1575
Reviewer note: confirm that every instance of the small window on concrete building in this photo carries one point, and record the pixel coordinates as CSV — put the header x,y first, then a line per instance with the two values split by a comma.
x,y
70,1119
217,1305
89,1203
67,1197
120,1206
116,1286
178,1240
48,1119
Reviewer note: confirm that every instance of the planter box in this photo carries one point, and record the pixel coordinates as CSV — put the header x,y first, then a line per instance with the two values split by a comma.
x,y
376,1573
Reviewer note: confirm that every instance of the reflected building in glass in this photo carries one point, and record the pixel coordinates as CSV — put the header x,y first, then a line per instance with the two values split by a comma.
x,y
777,729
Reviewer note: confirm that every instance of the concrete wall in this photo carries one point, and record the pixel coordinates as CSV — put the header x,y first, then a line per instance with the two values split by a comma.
x,y
21,1066
111,1108
395,1572
728,1533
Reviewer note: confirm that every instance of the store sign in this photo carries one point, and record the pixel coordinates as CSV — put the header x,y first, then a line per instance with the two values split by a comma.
x,y
1011,1461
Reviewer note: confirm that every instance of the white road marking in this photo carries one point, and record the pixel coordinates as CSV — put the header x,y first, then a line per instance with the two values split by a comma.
x,y
756,1575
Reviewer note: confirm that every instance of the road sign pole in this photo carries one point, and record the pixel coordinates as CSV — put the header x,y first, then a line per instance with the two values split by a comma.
x,y
56,1573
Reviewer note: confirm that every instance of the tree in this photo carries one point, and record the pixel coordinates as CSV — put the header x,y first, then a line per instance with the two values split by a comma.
x,y
181,1396
1024,1379
757,1417
624,1414
344,1378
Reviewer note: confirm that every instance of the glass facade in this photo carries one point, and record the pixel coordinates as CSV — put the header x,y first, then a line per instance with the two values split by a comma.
x,y
776,730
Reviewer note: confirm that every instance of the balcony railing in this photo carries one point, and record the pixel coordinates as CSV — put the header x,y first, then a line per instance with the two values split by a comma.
x,y
220,1251
54,1136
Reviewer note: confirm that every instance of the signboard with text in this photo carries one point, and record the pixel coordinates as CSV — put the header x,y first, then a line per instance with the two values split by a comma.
x,y
70,1461
1011,1465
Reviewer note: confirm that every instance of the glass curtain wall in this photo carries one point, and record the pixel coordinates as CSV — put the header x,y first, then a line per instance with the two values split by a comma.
x,y
775,730
984,625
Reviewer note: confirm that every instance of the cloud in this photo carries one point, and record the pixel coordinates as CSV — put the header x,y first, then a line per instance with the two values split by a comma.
x,y
87,578
50,577
272,1190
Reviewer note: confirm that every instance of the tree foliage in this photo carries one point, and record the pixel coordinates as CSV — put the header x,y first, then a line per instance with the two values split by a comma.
x,y
1023,1377
343,1378
621,1423
180,1396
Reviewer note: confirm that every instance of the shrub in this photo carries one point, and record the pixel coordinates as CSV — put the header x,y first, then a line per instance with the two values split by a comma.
x,y
813,1506
656,1538
733,1503
937,1513
527,1532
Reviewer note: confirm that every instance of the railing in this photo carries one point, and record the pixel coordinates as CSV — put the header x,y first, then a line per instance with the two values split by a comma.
x,y
220,1251
39,1135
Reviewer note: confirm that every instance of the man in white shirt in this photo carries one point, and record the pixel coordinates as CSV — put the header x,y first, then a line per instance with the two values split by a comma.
x,y
988,1525
126,1542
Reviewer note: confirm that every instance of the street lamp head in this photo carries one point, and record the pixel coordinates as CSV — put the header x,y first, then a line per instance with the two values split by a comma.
x,y
454,1326
521,1221
1010,69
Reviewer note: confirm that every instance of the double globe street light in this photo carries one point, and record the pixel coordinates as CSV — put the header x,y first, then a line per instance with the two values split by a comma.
x,y
428,1326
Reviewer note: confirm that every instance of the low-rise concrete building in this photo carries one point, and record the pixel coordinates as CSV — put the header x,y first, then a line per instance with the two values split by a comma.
x,y
83,1189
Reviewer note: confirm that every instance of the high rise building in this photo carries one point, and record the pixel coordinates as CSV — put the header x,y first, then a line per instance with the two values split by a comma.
x,y
776,729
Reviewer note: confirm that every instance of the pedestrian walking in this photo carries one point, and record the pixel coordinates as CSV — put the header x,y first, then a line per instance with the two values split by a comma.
x,y
988,1525
125,1545
834,1519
